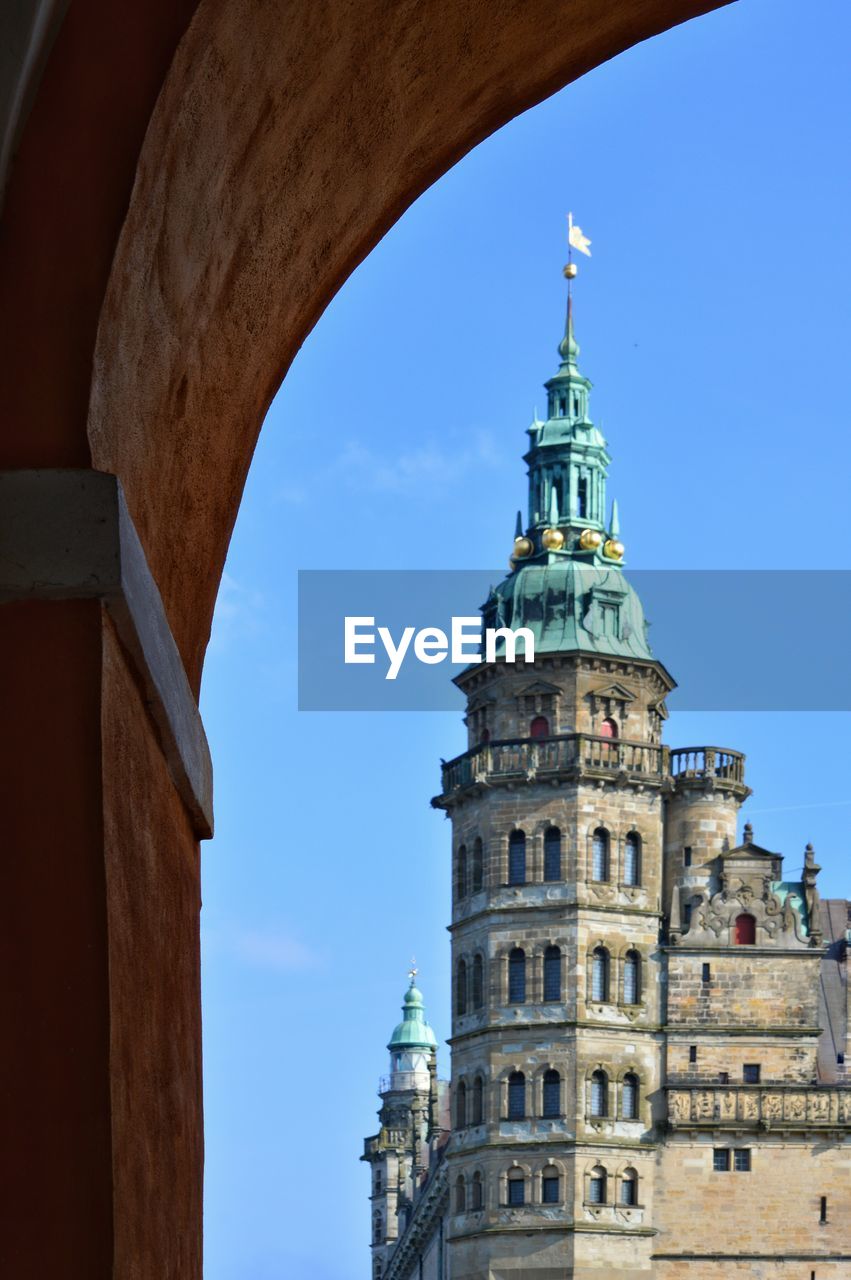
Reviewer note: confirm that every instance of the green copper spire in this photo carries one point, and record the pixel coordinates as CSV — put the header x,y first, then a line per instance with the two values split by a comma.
x,y
567,583
413,1032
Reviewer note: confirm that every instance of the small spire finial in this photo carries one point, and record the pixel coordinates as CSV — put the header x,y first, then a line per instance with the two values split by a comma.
x,y
748,833
413,971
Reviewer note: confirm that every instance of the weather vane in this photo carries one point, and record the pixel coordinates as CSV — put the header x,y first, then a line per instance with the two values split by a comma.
x,y
413,971
576,239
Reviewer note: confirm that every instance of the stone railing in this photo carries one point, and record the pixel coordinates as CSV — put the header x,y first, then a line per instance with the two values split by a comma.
x,y
758,1107
701,763
516,758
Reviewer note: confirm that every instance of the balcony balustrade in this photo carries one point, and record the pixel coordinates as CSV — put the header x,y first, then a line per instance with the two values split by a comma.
x,y
701,763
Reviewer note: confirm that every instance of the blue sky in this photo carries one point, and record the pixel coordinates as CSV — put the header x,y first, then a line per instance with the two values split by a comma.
x,y
709,166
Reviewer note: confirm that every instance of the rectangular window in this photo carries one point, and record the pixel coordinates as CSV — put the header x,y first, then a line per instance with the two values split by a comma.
x,y
742,1160
721,1160
687,917
707,973
687,856
823,1209
723,1077
750,1073
549,1190
516,1191
692,1053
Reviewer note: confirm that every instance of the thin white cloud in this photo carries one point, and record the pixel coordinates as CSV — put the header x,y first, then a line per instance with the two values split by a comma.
x,y
277,950
238,613
425,469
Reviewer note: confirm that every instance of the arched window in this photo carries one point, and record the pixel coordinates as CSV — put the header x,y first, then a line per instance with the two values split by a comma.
x,y
377,1231
552,973
461,988
517,1096
597,1185
517,976
745,930
461,1105
552,1094
478,866
550,1185
632,859
609,728
377,1272
539,728
629,1096
552,854
460,1195
599,1094
478,1101
461,873
476,1196
485,736
378,1182
629,1187
600,855
632,978
582,498
517,857
600,975
516,1187
478,982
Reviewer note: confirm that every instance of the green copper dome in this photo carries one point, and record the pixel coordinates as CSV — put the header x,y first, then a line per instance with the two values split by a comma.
x,y
413,1032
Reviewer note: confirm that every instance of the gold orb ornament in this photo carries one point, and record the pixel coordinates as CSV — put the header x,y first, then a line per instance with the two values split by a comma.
x,y
570,271
553,539
523,547
590,539
614,549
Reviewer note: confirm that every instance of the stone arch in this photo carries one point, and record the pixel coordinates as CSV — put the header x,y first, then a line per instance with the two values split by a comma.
x,y
162,221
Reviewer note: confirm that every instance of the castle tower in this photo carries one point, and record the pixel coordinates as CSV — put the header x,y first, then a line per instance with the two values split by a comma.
x,y
398,1153
650,1021
558,812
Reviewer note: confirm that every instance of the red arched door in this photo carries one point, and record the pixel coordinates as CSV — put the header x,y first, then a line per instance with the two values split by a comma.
x,y
609,728
540,727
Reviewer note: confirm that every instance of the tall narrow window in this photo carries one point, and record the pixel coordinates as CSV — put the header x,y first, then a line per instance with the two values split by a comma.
x,y
632,859
517,857
706,972
600,855
687,856
549,1185
552,973
517,1096
742,1160
478,982
745,930
597,1185
692,1053
461,1105
461,988
516,1187
600,974
376,1230
517,976
629,1096
552,1094
476,1197
822,1217
582,498
539,728
478,866
461,873
460,1195
629,1187
478,1101
552,854
632,978
599,1094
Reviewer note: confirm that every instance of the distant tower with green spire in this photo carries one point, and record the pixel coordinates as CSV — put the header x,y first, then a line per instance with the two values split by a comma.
x,y
412,1099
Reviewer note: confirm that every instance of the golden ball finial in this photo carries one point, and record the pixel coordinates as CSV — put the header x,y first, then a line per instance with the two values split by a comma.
x,y
570,271
552,539
523,547
614,549
590,539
